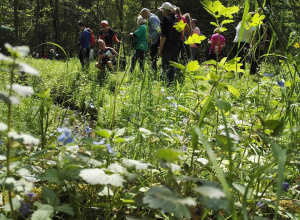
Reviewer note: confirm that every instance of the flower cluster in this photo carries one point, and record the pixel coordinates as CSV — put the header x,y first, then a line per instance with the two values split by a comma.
x,y
65,136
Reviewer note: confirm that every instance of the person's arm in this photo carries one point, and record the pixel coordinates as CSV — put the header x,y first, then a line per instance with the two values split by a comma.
x,y
114,37
113,55
86,43
161,45
155,27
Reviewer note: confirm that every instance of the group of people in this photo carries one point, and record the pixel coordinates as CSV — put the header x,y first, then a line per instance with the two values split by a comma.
x,y
163,42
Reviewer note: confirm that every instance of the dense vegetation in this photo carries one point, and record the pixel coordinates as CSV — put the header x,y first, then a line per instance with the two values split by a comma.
x,y
122,145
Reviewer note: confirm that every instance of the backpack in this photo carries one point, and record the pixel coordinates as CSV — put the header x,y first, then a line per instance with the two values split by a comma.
x,y
174,36
92,36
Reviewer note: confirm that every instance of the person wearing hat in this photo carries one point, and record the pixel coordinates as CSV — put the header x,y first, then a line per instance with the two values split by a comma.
x,y
168,49
153,34
107,34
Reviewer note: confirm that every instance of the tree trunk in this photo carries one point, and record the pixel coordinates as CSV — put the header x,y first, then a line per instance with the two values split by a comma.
x,y
16,21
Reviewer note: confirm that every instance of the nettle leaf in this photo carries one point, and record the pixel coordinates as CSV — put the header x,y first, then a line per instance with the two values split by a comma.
x,y
22,90
116,168
211,7
28,69
20,51
23,138
16,205
50,197
211,192
119,132
215,204
168,155
9,100
226,106
104,133
137,164
44,211
145,131
51,175
65,208
242,189
192,66
277,126
106,192
3,127
233,90
165,199
98,176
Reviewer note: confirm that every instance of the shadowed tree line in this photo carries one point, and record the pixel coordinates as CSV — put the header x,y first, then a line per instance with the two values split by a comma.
x,y
35,22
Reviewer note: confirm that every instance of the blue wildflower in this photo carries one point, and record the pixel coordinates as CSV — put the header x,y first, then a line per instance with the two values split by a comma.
x,y
184,148
285,186
110,150
30,195
169,97
87,129
1,142
99,143
24,208
174,104
63,129
128,119
260,204
66,136
268,74
280,83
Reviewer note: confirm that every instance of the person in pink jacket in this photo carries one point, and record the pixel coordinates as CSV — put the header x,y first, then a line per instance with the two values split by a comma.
x,y
217,43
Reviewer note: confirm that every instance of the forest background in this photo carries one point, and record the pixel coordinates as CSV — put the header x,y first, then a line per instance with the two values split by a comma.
x,y
35,22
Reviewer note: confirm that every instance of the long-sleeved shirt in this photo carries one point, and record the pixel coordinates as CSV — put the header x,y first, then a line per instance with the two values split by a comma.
x,y
153,28
84,39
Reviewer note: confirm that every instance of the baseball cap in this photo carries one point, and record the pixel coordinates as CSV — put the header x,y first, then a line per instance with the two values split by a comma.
x,y
104,23
167,6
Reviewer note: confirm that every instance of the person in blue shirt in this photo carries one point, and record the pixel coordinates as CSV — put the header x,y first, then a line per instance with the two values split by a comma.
x,y
153,35
84,42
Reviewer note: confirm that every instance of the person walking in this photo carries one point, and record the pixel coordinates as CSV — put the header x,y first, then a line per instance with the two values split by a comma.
x,y
84,42
169,48
140,43
153,35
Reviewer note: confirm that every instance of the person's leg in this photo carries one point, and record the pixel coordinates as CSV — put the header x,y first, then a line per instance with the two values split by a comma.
x,y
141,59
133,60
153,55
193,53
81,58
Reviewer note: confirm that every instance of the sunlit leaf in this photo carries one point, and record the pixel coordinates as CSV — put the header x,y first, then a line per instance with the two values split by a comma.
x,y
3,126
16,205
211,192
180,26
165,199
213,76
43,212
22,90
168,155
177,65
23,138
28,69
195,39
137,164
20,51
145,131
98,176
104,133
227,21
233,90
192,66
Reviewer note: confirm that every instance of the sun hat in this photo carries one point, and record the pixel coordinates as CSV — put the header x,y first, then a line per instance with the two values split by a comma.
x,y
104,23
167,6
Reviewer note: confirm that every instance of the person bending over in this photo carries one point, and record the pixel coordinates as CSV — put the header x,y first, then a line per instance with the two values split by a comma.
x,y
106,56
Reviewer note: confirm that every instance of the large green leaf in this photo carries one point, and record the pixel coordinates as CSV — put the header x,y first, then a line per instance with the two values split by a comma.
x,y
233,90
65,208
50,196
43,212
168,155
165,199
226,106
